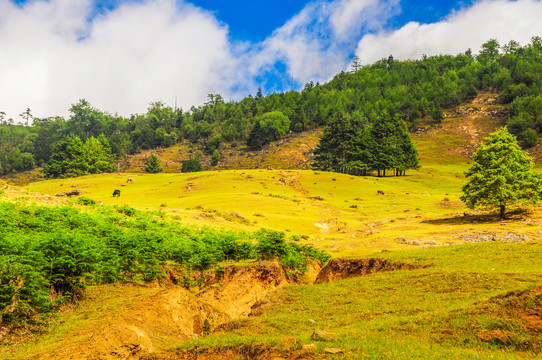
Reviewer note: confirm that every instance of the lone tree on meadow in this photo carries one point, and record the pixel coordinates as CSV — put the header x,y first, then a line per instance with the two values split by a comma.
x,y
501,175
153,165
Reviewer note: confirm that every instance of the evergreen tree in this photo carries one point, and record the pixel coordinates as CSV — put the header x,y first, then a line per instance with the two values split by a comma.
x,y
501,175
153,165
67,160
97,156
215,158
385,144
328,152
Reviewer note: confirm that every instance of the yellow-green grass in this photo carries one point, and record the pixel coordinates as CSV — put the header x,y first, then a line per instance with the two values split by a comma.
x,y
340,213
432,313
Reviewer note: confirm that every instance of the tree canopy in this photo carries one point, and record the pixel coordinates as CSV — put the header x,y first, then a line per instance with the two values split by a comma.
x,y
72,158
501,175
414,90
192,165
356,145
152,165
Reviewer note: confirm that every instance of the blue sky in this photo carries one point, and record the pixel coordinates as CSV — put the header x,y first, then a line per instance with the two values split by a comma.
x,y
123,54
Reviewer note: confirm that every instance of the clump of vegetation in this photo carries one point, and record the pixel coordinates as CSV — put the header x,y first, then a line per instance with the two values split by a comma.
x,y
272,244
192,165
83,200
152,165
49,255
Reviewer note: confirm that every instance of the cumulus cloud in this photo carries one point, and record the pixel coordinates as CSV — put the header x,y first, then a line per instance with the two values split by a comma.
x,y
316,43
51,55
55,52
468,28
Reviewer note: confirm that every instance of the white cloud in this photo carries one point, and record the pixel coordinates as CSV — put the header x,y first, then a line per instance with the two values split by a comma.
x,y
55,52
468,28
51,56
317,43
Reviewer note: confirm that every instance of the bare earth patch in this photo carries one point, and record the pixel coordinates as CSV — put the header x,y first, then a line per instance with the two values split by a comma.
x,y
338,269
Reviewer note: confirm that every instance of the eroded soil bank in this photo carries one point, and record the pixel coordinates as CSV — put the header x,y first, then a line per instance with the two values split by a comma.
x,y
174,315
338,269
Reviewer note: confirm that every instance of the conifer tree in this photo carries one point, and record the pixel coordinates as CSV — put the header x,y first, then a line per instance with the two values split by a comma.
x,y
153,165
329,150
67,160
501,175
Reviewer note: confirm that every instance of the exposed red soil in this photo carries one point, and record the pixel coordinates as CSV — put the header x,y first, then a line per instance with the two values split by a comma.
x,y
519,315
251,351
338,269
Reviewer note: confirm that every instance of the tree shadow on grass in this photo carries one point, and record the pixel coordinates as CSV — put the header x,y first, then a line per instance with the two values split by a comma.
x,y
466,218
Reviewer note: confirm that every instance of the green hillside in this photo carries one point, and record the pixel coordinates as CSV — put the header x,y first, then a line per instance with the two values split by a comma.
x,y
226,263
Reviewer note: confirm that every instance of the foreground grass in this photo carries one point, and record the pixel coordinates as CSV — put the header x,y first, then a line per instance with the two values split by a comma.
x,y
455,306
437,312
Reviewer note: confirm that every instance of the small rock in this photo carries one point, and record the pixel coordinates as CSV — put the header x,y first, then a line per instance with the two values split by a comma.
x,y
512,237
308,347
311,321
322,335
333,351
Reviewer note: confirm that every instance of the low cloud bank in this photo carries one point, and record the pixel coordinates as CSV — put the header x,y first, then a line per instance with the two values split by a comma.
x,y
53,53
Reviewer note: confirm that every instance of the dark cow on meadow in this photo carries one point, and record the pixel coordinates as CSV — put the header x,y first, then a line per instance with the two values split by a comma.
x,y
380,192
116,193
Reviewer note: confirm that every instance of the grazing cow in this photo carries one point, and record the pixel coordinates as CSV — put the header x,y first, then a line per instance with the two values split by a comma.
x,y
380,192
116,193
330,194
100,202
130,180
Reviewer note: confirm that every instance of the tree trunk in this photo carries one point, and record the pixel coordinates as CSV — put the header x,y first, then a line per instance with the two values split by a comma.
x,y
502,214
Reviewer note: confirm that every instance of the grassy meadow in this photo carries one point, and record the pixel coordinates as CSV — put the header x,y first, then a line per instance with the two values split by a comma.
x,y
462,306
465,301
340,213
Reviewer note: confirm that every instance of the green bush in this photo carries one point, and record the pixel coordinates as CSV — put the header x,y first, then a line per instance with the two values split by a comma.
x,y
273,244
60,251
192,165
85,201
529,138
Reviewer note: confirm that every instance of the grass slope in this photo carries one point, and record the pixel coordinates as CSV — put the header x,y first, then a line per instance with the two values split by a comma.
x,y
473,301
443,311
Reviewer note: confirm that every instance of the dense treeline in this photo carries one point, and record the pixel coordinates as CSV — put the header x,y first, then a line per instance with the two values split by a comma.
x,y
49,255
412,90
356,146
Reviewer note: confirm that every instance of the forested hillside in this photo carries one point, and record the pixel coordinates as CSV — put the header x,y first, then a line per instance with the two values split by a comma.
x,y
406,93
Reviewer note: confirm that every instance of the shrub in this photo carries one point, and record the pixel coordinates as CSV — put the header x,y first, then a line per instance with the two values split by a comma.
x,y
85,201
192,165
65,250
215,158
529,137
